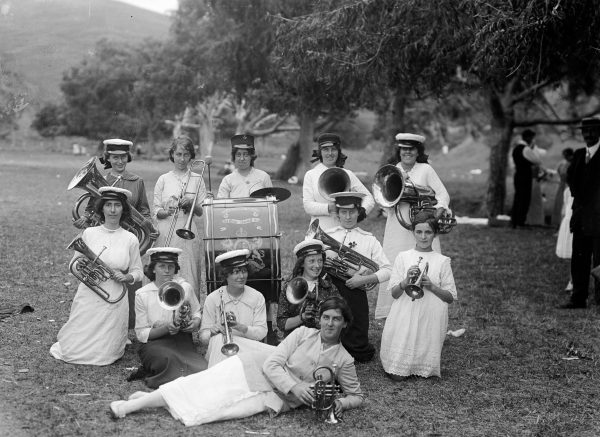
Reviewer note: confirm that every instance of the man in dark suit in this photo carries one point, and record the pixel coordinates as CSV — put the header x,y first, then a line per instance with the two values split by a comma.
x,y
522,178
583,177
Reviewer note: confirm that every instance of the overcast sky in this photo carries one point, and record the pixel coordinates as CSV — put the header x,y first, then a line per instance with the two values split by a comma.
x,y
162,6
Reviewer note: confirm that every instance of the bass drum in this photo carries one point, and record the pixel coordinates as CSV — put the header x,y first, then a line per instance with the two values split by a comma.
x,y
244,223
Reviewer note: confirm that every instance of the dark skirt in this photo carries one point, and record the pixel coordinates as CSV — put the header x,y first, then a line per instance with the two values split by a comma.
x,y
356,337
169,357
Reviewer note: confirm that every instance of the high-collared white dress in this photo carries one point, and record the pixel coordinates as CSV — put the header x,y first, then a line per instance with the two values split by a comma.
x,y
396,238
96,331
235,185
414,332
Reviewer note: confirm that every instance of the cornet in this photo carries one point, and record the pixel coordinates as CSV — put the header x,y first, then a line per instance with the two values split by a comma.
x,y
325,394
173,296
414,289
229,348
297,293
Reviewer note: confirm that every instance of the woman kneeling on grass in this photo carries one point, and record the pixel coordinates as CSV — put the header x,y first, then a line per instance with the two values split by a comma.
x,y
415,329
167,350
237,388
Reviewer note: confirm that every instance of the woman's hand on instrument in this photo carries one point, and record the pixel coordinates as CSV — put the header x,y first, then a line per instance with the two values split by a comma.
x,y
172,328
82,222
192,326
122,277
412,272
338,408
238,326
185,204
309,313
356,281
217,329
304,392
331,207
426,282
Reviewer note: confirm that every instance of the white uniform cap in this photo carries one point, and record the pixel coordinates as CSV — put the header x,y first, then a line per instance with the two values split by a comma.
x,y
409,140
233,258
309,247
107,191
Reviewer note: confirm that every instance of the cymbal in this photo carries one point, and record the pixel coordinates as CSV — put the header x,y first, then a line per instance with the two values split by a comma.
x,y
279,193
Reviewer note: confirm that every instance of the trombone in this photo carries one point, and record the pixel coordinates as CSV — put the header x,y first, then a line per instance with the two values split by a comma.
x,y
186,232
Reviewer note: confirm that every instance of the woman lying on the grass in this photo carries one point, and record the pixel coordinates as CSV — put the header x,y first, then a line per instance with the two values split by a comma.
x,y
167,350
236,387
415,329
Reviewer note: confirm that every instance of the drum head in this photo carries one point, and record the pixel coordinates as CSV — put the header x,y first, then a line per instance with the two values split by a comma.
x,y
279,193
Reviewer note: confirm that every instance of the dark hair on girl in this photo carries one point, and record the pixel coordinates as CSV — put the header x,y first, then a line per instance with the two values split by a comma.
x,y
149,269
105,160
425,217
186,143
99,206
337,303
225,271
362,213
298,269
251,152
422,158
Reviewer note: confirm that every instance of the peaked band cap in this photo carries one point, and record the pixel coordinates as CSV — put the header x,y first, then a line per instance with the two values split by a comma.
x,y
309,247
164,254
117,146
409,140
348,199
114,193
328,139
243,141
233,258
590,122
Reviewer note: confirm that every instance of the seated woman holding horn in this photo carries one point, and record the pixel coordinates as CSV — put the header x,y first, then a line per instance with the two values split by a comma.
x,y
304,291
167,312
422,286
246,384
96,332
316,202
243,306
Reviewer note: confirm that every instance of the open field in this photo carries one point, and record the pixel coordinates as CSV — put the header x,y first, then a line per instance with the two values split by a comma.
x,y
505,376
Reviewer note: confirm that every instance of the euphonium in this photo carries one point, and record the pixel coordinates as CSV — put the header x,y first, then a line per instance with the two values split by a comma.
x,y
346,262
173,296
88,178
333,180
325,393
413,288
91,270
390,188
229,348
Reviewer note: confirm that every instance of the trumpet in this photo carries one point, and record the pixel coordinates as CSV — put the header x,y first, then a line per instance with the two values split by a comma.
x,y
325,394
92,271
173,296
186,232
297,292
414,289
229,348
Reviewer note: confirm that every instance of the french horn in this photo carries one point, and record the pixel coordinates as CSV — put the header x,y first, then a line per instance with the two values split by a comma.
x,y
390,189
89,179
92,271
342,262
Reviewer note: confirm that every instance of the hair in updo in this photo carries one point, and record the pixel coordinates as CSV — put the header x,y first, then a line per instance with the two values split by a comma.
x,y
186,143
425,216
99,207
149,269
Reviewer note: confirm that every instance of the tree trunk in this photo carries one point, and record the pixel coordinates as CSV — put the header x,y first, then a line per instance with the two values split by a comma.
x,y
399,101
288,167
306,142
500,138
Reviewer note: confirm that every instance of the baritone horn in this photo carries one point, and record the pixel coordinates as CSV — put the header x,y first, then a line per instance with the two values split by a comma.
x,y
390,189
333,180
173,296
229,348
325,394
92,271
414,289
88,178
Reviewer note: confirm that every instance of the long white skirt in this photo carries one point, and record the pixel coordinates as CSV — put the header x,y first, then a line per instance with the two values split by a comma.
x,y
564,242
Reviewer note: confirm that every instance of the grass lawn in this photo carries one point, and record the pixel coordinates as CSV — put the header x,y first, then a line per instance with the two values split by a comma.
x,y
505,376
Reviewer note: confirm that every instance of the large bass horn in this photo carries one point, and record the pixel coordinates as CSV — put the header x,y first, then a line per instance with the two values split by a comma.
x,y
333,180
89,179
390,188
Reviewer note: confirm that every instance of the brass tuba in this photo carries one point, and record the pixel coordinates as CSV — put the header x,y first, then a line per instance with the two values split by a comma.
x,y
333,180
88,178
413,288
173,296
91,270
325,393
346,262
229,348
390,188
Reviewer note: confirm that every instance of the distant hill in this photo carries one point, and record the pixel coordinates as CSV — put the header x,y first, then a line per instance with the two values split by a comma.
x,y
41,39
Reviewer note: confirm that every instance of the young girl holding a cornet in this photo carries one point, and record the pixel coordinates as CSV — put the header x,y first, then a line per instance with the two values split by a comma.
x,y
422,286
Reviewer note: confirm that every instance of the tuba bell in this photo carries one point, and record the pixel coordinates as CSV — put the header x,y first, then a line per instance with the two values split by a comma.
x,y
91,270
390,188
88,178
342,262
333,180
173,296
